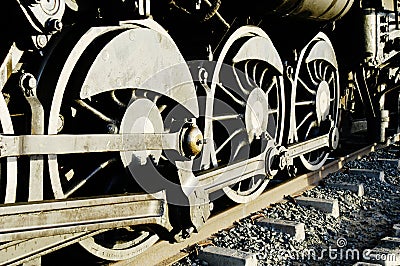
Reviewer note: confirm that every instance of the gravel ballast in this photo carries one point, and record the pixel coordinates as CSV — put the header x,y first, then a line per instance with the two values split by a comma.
x,y
363,221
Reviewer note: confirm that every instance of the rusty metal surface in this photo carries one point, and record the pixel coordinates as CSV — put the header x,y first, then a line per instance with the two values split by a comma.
x,y
165,251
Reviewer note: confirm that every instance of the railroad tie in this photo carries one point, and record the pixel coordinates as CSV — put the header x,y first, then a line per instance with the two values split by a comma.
x,y
294,229
356,188
380,175
392,162
328,206
224,256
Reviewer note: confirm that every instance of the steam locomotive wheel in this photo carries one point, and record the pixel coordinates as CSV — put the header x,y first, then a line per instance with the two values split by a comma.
x,y
248,104
77,108
315,98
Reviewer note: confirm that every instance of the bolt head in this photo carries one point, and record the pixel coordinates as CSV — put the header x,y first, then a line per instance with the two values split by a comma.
x,y
28,81
112,129
41,41
192,141
32,83
54,25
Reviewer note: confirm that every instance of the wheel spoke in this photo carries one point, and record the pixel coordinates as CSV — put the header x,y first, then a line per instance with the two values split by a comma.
x,y
242,103
313,92
252,183
331,78
239,83
116,100
254,74
305,103
242,144
304,120
262,77
271,86
234,134
311,74
325,72
272,111
227,117
239,189
251,83
312,124
94,111
320,71
85,180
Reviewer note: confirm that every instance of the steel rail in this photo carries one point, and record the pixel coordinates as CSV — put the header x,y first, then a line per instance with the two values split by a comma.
x,y
164,253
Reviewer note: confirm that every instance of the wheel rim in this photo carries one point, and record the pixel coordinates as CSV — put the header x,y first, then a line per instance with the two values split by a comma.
x,y
250,105
10,171
315,98
111,249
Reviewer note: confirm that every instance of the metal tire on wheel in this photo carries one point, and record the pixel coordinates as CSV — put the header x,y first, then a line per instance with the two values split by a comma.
x,y
10,169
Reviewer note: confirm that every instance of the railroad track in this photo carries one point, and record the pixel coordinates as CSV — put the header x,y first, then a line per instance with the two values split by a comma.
x,y
164,253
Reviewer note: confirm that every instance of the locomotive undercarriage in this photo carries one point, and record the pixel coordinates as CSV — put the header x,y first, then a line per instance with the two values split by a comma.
x,y
110,138
242,179
373,82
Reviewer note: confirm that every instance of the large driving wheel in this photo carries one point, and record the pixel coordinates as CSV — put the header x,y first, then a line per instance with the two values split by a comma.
x,y
245,108
315,98
102,89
